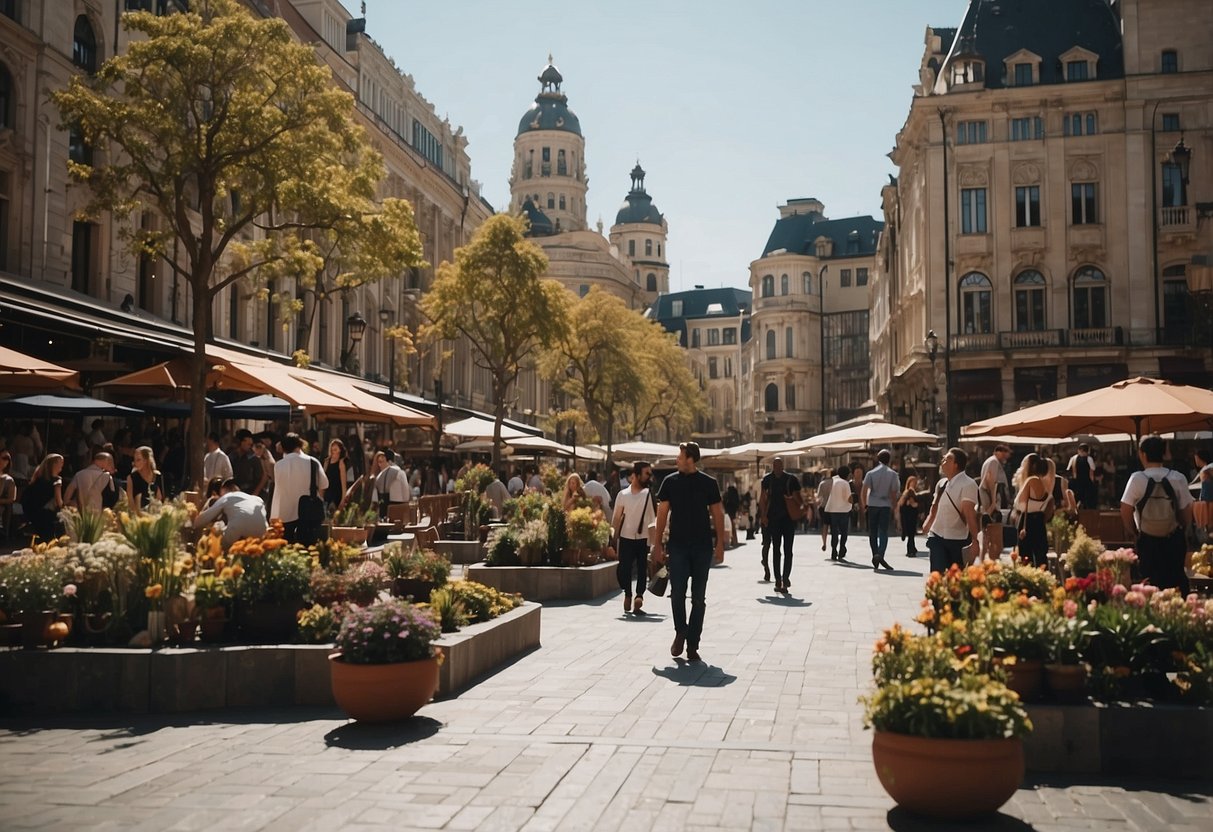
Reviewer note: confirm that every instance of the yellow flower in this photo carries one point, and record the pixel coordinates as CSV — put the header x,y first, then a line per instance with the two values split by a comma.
x,y
226,573
237,570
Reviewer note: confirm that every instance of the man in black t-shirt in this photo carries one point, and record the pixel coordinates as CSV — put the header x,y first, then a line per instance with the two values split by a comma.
x,y
777,486
690,502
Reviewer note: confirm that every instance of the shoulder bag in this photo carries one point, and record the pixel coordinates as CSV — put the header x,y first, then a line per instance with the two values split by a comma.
x,y
311,513
795,504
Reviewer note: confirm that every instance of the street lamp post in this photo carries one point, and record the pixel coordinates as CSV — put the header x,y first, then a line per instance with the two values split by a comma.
x,y
385,318
571,439
438,432
932,344
355,326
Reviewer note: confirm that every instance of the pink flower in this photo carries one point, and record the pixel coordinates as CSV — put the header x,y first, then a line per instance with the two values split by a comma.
x,y
1135,599
1118,591
1071,608
70,590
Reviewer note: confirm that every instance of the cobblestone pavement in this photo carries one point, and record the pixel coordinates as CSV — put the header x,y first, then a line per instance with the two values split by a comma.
x,y
598,729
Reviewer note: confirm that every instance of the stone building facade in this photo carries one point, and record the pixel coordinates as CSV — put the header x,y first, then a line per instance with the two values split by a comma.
x,y
809,350
1052,217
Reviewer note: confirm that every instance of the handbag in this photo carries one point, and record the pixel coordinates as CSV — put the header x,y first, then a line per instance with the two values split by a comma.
x,y
794,503
311,513
659,582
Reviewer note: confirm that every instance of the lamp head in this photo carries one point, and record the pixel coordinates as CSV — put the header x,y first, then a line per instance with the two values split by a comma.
x,y
1181,156
932,344
357,327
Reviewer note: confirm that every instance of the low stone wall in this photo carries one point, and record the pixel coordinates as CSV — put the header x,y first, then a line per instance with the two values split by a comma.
x,y
1149,740
548,583
206,678
461,551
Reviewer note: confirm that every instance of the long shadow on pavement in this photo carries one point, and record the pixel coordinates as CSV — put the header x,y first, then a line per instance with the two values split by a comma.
x,y
784,602
695,674
119,725
850,564
363,736
1193,791
901,573
902,821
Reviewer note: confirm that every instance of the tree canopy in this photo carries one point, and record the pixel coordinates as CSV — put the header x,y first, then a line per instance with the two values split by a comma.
x,y
494,294
236,139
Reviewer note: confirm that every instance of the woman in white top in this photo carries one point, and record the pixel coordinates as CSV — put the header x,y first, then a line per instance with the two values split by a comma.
x,y
838,510
1034,502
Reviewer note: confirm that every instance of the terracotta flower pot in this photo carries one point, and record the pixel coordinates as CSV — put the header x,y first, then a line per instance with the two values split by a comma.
x,y
1066,682
212,623
348,534
917,771
382,692
1026,677
419,590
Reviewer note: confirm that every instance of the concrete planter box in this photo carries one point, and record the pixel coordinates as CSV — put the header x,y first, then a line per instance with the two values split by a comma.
x,y
548,583
1147,740
460,551
194,679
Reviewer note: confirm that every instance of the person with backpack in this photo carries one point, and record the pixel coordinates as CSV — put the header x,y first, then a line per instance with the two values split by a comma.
x,y
1156,508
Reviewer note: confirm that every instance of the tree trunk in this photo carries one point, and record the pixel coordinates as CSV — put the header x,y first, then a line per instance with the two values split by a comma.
x,y
500,386
196,435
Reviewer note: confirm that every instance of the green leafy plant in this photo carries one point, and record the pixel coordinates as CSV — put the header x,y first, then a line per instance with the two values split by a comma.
x,y
502,547
1082,558
448,609
354,515
280,575
1024,632
553,479
364,581
1061,532
558,531
475,479
528,506
901,656
318,624
84,525
211,590
387,631
416,564
588,529
1030,580
972,706
334,555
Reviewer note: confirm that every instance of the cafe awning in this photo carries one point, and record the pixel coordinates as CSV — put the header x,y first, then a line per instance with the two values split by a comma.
x,y
21,373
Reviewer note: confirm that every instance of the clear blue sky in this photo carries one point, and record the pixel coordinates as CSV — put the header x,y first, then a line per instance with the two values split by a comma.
x,y
732,108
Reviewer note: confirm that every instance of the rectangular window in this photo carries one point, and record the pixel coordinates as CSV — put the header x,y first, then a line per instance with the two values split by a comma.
x,y
1170,61
695,337
648,248
844,277
973,211
547,154
1029,310
631,248
1080,124
1173,192
82,257
1170,122
970,132
728,367
713,337
427,144
1084,209
1023,75
975,311
861,277
1023,129
676,308
1076,70
730,335
713,368
1090,307
1027,206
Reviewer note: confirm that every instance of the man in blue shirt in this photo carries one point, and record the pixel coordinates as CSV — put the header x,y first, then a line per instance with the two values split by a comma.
x,y
880,490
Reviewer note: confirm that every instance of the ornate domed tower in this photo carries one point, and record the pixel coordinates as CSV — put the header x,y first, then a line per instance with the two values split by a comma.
x,y
640,232
549,159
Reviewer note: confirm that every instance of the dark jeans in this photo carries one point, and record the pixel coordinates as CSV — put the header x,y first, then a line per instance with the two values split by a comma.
x,y
782,533
689,562
840,526
879,518
633,560
1161,561
945,552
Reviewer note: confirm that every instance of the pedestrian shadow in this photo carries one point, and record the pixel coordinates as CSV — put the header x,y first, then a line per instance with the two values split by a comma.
x,y
785,601
655,618
695,674
902,821
364,736
901,572
852,564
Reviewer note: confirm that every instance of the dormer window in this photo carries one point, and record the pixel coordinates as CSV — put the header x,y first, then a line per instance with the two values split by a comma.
x,y
968,71
1022,69
1079,64
824,246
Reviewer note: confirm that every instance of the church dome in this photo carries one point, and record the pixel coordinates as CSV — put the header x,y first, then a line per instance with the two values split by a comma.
x,y
551,108
638,206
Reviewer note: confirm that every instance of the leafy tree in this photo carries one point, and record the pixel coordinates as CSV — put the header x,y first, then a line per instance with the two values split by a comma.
x,y
601,362
671,396
495,296
237,138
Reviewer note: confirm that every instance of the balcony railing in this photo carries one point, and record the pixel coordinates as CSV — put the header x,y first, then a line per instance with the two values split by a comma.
x,y
1110,336
1176,216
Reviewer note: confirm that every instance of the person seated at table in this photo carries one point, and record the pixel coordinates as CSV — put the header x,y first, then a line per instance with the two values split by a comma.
x,y
243,514
145,482
574,494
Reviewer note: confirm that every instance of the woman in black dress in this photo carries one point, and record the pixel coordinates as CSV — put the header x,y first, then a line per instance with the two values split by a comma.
x,y
335,470
145,483
1034,501
43,497
907,509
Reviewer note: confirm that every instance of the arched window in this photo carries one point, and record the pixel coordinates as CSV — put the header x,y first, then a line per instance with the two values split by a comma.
x,y
789,396
551,200
1090,298
783,284
770,344
808,282
975,304
84,45
768,285
562,202
7,103
1029,301
771,398
787,342
650,283
562,168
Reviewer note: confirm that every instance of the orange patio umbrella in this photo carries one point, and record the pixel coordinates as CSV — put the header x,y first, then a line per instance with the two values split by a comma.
x,y
21,373
1136,406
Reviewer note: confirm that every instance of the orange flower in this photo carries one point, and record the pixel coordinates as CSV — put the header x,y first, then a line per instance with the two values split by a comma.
x,y
998,593
154,591
237,570
226,573
978,592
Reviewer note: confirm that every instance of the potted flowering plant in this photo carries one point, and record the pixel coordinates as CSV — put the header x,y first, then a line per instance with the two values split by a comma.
x,y
103,572
212,600
364,581
415,573
939,715
386,664
532,542
502,547
272,583
1120,562
31,590
1020,637
1082,558
588,535
350,524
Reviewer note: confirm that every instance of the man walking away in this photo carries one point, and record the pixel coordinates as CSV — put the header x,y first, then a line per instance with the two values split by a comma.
x,y
1157,509
838,512
1082,476
777,487
993,489
633,513
823,499
951,526
879,494
293,476
692,497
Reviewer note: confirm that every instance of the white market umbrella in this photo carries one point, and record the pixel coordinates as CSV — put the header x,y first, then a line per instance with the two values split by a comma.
x,y
871,433
475,427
